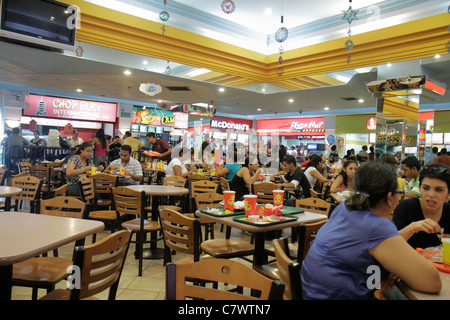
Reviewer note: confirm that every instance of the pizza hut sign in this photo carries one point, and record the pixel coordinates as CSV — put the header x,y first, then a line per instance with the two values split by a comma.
x,y
311,126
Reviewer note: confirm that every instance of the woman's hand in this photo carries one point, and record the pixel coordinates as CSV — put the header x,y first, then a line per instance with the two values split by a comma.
x,y
427,225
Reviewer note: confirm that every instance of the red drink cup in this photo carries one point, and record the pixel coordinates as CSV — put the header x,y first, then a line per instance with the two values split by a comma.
x,y
228,200
250,204
278,196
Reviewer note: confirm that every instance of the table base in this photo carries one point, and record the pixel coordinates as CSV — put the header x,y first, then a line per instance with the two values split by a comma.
x,y
153,254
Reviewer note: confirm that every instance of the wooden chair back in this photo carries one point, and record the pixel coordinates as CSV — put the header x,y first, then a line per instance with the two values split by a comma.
x,y
64,206
24,166
61,191
2,175
43,173
314,205
196,177
129,201
179,279
203,186
288,270
148,176
205,200
101,265
224,184
31,188
87,189
264,191
180,233
314,194
174,181
104,182
306,236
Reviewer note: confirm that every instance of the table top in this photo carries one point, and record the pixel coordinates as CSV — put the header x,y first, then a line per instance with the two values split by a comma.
x,y
158,190
26,235
306,217
408,293
339,198
6,191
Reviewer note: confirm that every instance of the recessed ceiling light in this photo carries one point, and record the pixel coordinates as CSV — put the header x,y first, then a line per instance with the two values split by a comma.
x,y
389,65
326,108
221,89
259,109
291,100
361,100
437,56
127,72
79,90
144,62
268,11
159,101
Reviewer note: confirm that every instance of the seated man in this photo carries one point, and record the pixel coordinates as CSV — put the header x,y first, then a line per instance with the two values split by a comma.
x,y
295,178
411,171
132,167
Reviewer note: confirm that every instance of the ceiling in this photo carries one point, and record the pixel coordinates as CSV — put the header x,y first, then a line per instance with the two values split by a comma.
x,y
99,71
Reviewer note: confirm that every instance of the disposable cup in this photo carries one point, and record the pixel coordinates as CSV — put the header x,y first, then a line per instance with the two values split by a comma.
x,y
93,170
122,171
278,196
446,251
250,204
228,199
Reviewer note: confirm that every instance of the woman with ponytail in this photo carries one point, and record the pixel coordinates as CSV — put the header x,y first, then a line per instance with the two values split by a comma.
x,y
359,248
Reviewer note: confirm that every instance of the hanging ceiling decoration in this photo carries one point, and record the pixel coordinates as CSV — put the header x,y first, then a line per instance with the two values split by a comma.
x,y
150,89
280,36
349,16
168,69
164,17
228,6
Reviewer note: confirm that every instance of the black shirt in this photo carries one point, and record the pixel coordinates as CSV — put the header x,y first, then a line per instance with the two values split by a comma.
x,y
237,184
302,180
409,210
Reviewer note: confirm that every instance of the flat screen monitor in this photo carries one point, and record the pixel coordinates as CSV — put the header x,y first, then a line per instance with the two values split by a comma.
x,y
311,146
47,23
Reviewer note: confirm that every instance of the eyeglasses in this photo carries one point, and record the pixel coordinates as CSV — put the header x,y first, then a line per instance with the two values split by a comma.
x,y
440,170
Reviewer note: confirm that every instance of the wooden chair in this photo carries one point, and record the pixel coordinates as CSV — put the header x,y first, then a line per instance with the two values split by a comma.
x,y
61,191
314,194
89,196
148,176
24,166
101,266
130,202
175,181
196,177
224,184
46,272
31,188
264,191
2,175
181,234
56,175
104,183
203,186
205,200
42,173
288,270
233,273
314,205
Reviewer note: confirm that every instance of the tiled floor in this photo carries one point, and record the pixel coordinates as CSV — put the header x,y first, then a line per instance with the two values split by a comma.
x,y
150,286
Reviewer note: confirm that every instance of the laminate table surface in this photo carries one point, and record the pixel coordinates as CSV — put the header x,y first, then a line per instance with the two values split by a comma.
x,y
158,190
6,191
26,235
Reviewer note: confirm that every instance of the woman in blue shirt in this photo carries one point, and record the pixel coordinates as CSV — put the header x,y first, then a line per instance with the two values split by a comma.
x,y
359,246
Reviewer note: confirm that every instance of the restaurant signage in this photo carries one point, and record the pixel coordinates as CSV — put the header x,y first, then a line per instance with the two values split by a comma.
x,y
231,123
371,124
181,120
309,126
154,117
65,108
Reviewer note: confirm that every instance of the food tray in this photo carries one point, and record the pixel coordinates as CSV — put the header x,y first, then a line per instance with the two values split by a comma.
x,y
284,218
441,267
221,213
292,210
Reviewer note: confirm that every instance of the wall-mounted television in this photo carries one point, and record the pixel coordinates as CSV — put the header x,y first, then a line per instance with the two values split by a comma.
x,y
47,23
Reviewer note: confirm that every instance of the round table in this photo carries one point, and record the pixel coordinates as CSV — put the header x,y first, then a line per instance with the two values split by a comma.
x,y
7,192
156,192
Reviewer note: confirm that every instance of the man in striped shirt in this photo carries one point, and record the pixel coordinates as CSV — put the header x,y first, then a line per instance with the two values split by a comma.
x,y
132,167
411,171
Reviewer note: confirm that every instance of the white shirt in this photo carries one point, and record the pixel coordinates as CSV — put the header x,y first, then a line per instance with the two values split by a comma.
x,y
312,180
74,143
175,162
133,166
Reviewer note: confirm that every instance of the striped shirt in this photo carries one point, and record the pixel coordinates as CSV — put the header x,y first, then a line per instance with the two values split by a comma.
x,y
133,166
413,186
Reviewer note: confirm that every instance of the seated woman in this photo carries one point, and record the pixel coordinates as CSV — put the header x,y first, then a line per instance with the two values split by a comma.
x,y
421,220
177,166
344,180
229,170
244,178
358,236
77,165
312,170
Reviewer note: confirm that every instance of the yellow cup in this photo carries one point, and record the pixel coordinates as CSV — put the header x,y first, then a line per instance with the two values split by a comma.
x,y
122,171
446,251
93,170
